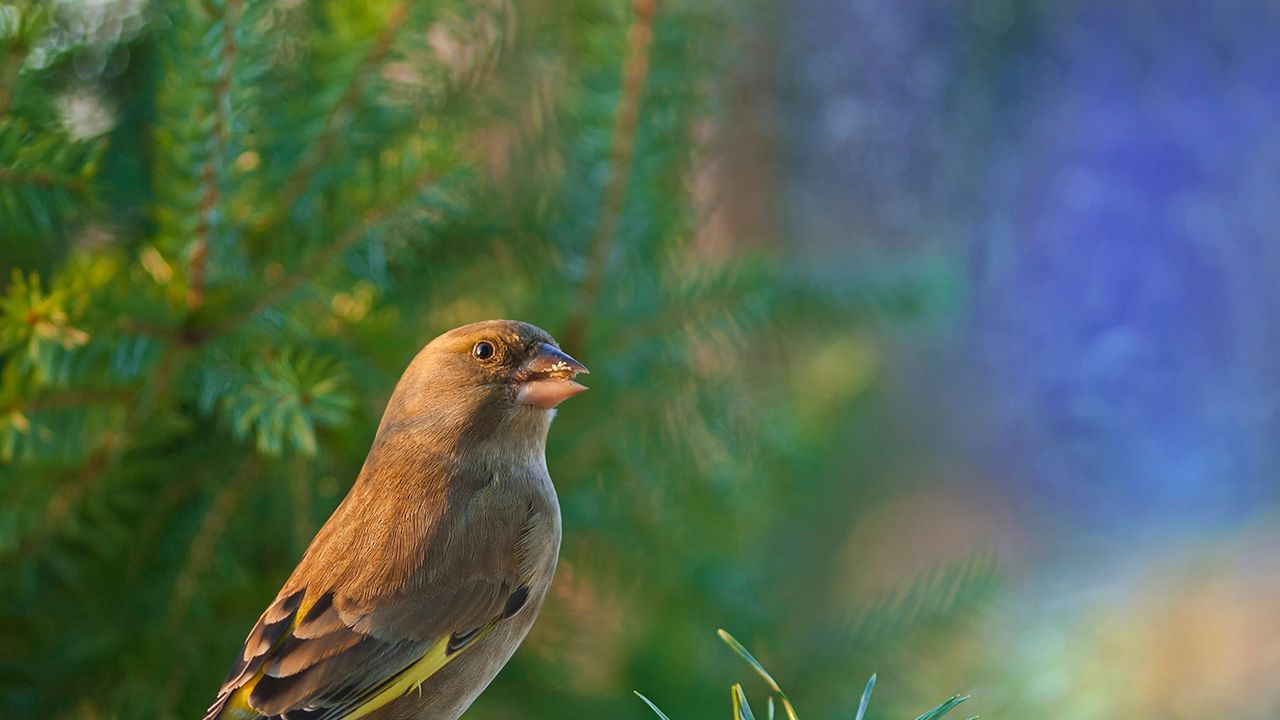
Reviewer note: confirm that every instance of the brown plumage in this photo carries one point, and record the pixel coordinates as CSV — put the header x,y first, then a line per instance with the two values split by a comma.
x,y
436,563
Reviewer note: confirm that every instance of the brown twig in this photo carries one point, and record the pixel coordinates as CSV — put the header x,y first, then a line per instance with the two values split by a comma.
x,y
211,173
9,69
44,178
634,71
150,329
72,398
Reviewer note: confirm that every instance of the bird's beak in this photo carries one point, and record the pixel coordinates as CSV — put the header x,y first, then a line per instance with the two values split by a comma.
x,y
546,378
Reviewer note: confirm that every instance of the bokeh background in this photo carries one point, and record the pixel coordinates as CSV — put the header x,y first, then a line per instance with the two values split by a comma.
x,y
931,339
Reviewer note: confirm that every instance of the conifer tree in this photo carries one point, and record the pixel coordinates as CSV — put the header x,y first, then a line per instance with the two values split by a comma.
x,y
227,225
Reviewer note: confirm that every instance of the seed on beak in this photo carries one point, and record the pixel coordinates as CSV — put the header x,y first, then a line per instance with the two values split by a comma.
x,y
548,378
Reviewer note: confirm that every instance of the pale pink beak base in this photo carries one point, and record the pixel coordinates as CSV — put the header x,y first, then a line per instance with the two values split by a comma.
x,y
547,393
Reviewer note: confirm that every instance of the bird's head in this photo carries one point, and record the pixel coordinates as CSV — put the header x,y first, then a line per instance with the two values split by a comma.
x,y
485,381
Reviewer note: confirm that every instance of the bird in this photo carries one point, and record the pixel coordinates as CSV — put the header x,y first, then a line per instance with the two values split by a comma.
x,y
428,575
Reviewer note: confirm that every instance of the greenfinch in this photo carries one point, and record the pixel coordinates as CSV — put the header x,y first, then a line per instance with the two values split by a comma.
x,y
431,571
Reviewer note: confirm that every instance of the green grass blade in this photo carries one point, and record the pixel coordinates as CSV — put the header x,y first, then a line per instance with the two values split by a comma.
x,y
741,709
745,654
866,698
945,707
652,707
737,647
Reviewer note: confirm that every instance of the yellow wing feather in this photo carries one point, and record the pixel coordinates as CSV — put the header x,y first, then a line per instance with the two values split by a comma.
x,y
409,679
412,677
237,706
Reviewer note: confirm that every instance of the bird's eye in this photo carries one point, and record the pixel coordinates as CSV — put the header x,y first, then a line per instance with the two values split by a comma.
x,y
483,350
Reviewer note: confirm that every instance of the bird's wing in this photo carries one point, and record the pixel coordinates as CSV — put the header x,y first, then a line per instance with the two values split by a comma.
x,y
323,659
327,650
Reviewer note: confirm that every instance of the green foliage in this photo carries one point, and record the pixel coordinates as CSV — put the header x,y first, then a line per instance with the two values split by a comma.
x,y
218,285
937,595
280,399
37,328
741,708
44,178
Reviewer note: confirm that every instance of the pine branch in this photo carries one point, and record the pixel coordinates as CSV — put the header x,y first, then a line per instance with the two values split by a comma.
x,y
317,153
91,472
317,262
635,70
211,173
44,177
944,591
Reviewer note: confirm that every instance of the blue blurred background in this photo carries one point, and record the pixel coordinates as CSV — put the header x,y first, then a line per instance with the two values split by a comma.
x,y
1101,403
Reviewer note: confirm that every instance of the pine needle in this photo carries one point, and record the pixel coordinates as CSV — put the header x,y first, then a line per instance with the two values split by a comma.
x,y
866,698
737,647
944,707
652,707
741,708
